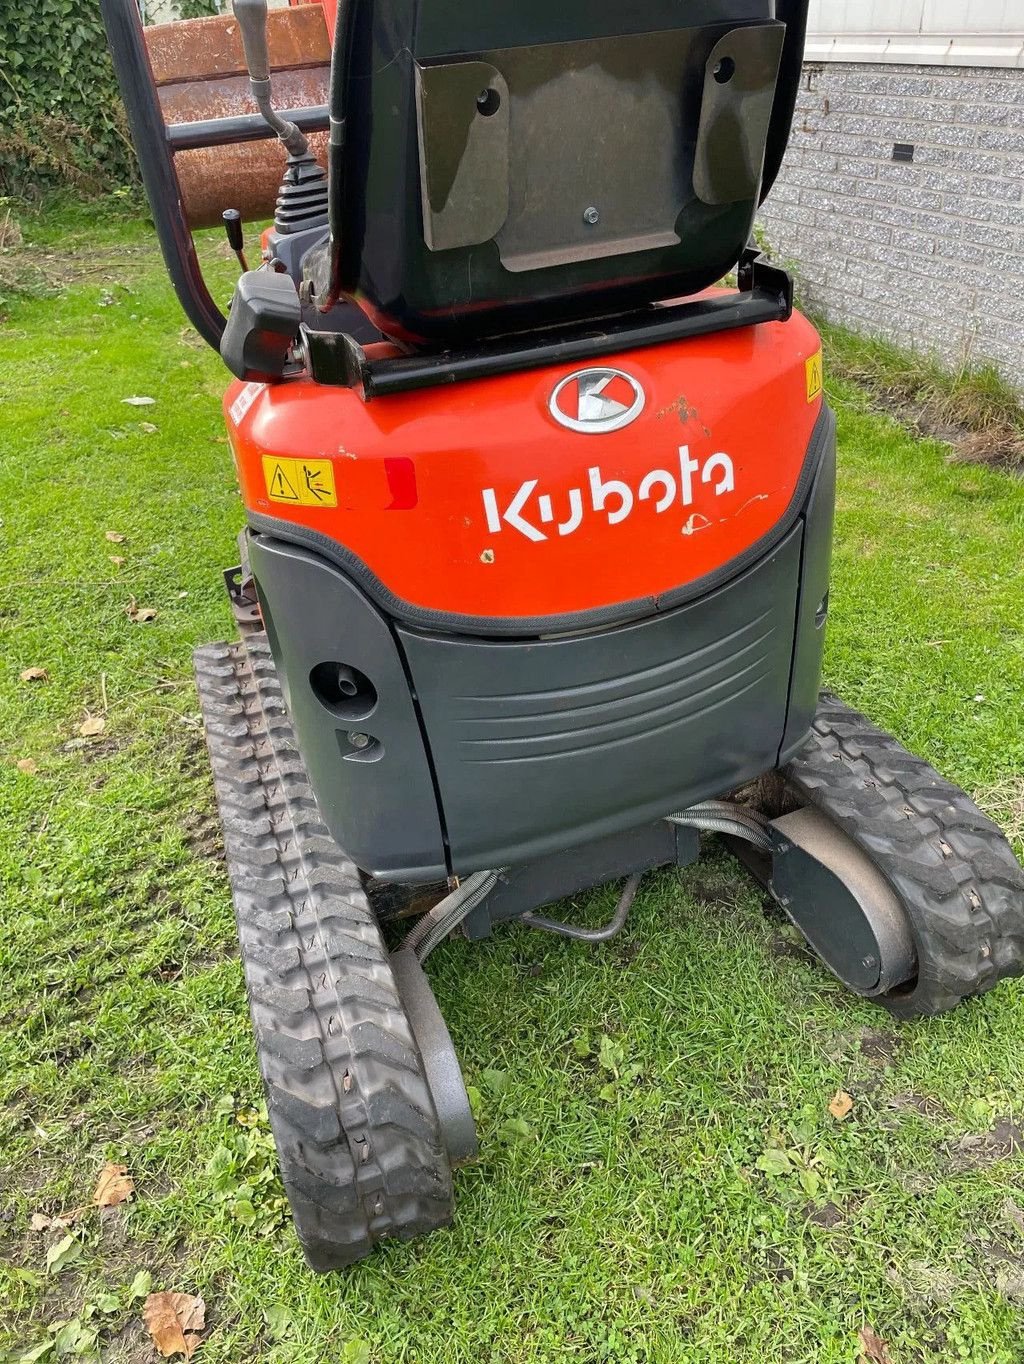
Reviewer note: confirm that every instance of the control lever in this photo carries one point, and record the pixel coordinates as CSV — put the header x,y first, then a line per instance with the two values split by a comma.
x,y
232,220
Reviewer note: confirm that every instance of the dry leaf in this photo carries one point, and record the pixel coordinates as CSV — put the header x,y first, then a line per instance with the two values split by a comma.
x,y
28,766
139,402
841,1106
137,613
114,536
115,1185
34,675
39,1221
94,725
116,559
175,1322
873,1348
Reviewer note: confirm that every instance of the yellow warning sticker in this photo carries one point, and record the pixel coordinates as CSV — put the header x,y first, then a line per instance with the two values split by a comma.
x,y
302,482
815,377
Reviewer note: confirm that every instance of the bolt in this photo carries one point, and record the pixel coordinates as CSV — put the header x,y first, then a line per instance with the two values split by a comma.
x,y
591,216
359,740
869,963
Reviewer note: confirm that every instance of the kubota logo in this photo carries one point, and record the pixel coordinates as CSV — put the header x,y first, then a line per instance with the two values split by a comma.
x,y
596,401
613,497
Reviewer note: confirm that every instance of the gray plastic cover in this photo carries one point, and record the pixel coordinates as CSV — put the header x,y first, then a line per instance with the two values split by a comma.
x,y
562,152
538,745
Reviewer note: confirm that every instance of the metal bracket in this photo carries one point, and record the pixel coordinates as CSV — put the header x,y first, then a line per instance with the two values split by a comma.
x,y
245,605
841,902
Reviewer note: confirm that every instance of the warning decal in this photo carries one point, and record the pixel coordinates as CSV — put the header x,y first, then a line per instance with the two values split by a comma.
x,y
815,377
244,401
302,482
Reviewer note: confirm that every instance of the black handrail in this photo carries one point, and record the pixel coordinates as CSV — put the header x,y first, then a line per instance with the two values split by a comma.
x,y
156,160
222,132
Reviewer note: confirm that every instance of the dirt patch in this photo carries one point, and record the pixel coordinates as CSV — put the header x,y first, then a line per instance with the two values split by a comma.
x,y
203,835
167,972
828,1217
923,1285
974,412
880,1047
977,1150
922,1104
28,271
727,894
1004,802
1013,1216
59,268
778,1270
686,414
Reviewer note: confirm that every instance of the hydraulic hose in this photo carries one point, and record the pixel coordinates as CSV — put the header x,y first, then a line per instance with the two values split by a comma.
x,y
722,817
710,816
435,926
252,21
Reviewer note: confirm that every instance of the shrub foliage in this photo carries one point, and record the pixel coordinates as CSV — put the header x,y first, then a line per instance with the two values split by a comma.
x,y
61,119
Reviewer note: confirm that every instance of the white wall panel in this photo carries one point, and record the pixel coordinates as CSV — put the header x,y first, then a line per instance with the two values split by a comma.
x,y
923,32
943,17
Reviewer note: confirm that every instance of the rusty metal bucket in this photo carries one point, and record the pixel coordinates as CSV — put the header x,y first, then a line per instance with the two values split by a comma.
x,y
199,70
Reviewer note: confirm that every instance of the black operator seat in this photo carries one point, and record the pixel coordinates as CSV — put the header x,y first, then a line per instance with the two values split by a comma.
x,y
520,163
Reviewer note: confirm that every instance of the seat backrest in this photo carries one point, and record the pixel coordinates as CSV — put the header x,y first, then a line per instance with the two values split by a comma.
x,y
519,163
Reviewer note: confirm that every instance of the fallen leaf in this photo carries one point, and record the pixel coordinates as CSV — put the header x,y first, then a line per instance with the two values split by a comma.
x,y
140,1286
279,1320
28,766
37,1352
873,1348
139,402
114,536
39,1221
841,1106
115,1185
141,613
74,1338
62,1254
175,1322
34,675
94,725
116,559
1011,1213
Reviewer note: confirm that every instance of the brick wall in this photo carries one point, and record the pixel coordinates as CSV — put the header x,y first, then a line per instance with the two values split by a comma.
x,y
929,254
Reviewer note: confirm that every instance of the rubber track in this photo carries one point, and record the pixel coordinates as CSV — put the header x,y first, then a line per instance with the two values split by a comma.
x,y
960,883
357,1136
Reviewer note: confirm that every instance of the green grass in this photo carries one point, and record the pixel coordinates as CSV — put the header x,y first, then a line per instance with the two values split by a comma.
x,y
973,408
626,1095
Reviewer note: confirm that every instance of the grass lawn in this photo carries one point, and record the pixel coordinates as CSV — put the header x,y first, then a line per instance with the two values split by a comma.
x,y
623,1208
